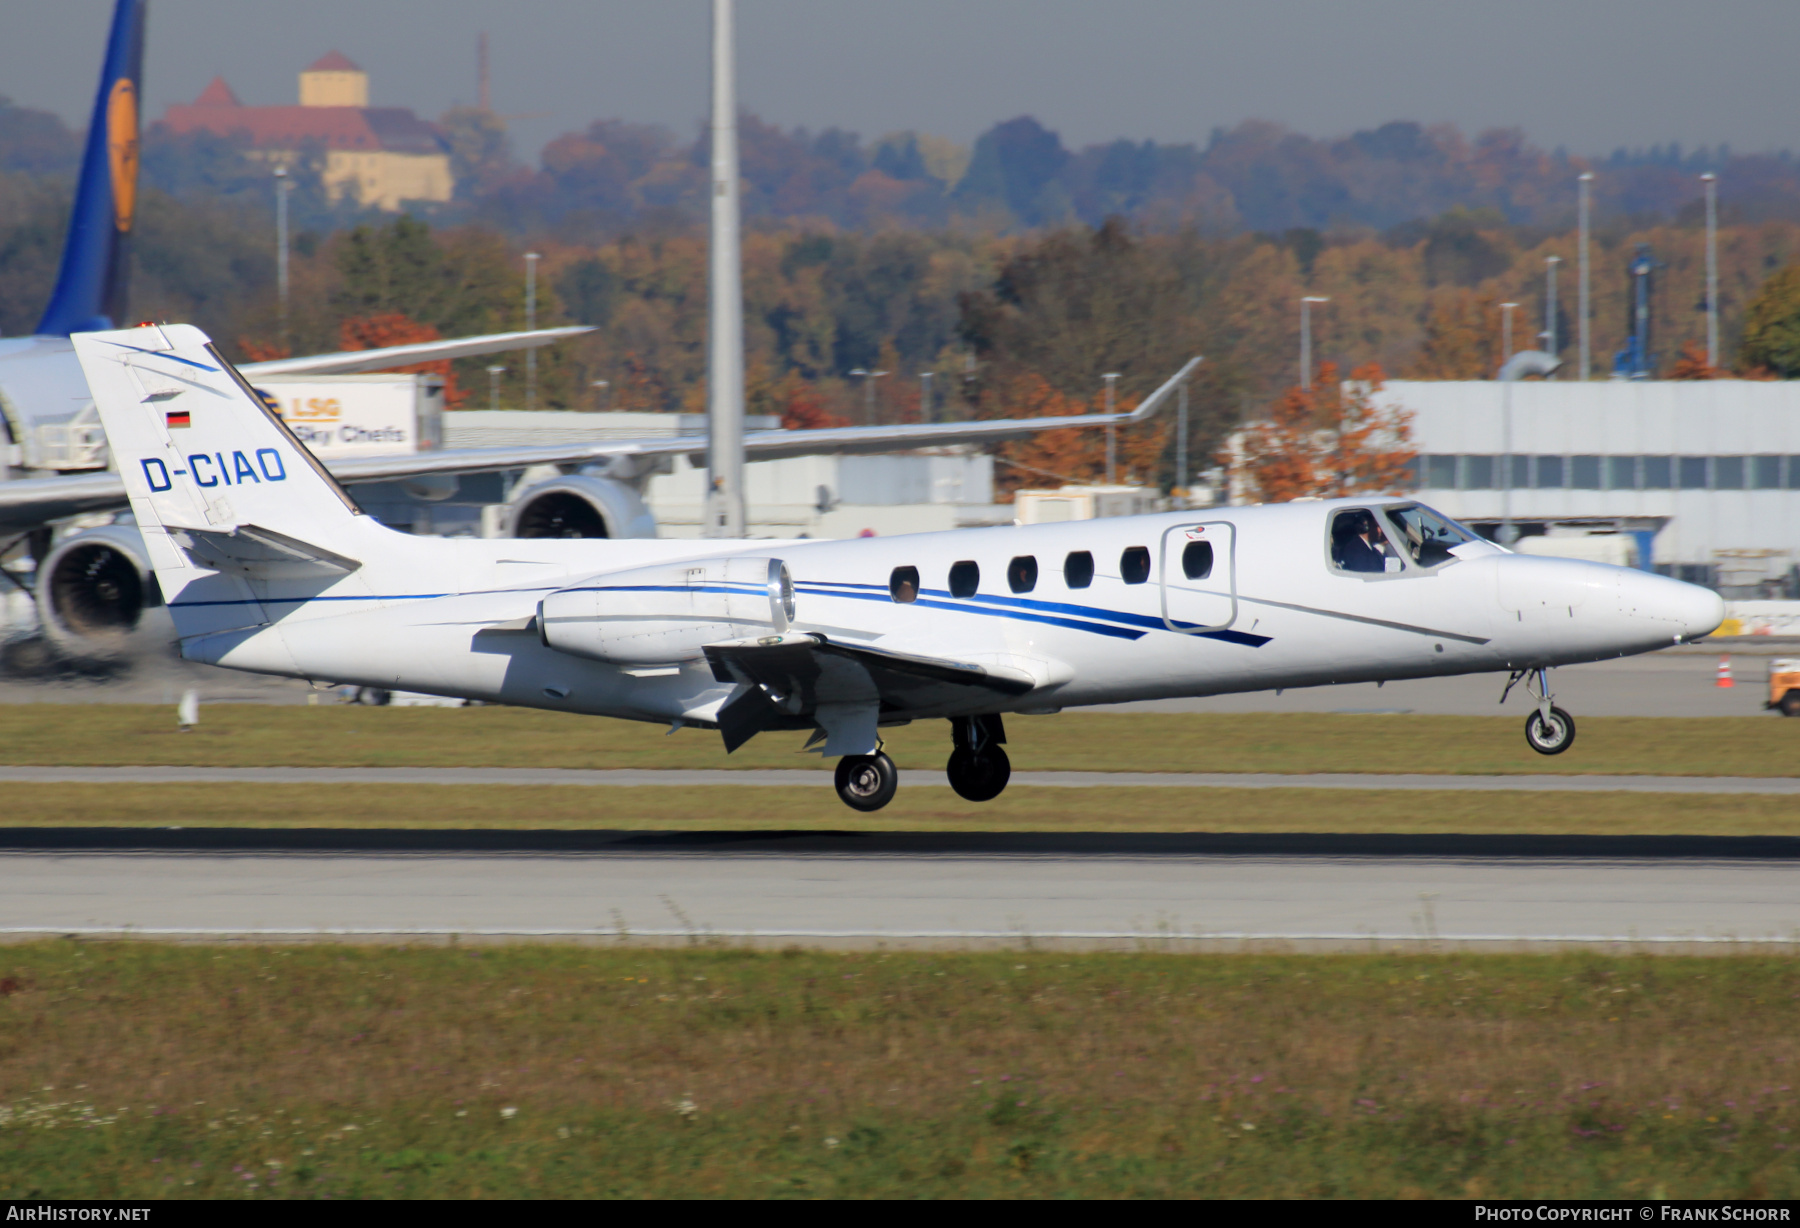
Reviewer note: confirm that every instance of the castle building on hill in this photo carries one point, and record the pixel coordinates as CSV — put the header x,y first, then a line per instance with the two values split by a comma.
x,y
380,156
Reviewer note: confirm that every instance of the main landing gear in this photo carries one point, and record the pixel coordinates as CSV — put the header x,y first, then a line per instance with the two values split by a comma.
x,y
867,782
1549,730
978,767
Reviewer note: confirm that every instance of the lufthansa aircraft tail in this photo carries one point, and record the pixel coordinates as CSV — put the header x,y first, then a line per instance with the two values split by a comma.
x,y
96,259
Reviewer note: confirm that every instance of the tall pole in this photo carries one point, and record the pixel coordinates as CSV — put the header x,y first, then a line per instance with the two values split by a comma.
x,y
1550,338
1506,310
1712,269
531,263
925,407
282,186
1181,438
1306,339
1112,432
726,515
1584,187
494,374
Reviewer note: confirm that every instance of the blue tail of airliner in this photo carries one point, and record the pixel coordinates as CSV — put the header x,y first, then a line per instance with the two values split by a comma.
x,y
96,259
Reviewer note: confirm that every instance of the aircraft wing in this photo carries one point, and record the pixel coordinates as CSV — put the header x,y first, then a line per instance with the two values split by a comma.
x,y
28,502
784,677
351,362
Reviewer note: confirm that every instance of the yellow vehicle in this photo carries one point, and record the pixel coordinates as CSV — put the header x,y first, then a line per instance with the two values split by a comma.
x,y
1784,685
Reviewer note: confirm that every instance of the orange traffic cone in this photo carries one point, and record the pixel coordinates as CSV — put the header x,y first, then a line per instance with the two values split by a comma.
x,y
1725,672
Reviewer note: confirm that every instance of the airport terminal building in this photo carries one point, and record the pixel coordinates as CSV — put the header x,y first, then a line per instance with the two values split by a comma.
x,y
1701,478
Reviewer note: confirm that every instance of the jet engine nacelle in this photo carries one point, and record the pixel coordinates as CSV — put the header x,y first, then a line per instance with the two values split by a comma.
x,y
580,505
668,613
94,587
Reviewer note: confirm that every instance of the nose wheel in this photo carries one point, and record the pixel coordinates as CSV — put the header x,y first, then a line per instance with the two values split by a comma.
x,y
867,782
1550,730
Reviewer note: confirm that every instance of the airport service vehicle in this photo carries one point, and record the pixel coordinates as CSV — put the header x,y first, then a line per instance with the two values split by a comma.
x,y
1784,685
267,565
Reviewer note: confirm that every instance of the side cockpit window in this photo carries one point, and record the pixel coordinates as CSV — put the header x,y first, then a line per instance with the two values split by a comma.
x,y
1358,544
1426,538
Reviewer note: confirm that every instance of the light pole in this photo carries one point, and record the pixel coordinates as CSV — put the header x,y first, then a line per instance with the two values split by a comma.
x,y
726,513
531,263
1181,439
1526,362
282,187
601,400
868,378
1112,432
1584,192
1306,339
494,374
1712,268
925,407
1506,310
1550,340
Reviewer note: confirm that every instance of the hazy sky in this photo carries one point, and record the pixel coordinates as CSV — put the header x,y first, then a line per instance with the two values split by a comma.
x,y
1588,74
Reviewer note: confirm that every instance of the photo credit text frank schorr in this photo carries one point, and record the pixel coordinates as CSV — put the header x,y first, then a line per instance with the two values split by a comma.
x,y
1636,1213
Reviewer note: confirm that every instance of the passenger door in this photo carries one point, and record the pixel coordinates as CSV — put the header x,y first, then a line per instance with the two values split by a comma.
x,y
1197,576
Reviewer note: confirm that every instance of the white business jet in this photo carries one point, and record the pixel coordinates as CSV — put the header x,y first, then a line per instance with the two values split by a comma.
x,y
267,565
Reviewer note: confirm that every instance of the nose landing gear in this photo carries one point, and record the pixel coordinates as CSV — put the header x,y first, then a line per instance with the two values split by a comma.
x,y
1549,730
978,769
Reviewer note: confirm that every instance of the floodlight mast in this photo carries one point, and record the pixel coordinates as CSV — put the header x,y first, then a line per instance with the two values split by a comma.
x,y
725,511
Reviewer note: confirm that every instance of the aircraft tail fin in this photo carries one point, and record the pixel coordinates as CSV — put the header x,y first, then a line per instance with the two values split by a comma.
x,y
206,463
96,259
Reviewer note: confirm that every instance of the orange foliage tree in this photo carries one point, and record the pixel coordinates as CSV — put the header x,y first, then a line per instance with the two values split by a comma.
x,y
1075,455
376,332
802,409
1327,442
1692,364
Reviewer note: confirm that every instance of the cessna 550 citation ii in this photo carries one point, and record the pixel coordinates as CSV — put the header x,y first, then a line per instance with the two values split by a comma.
x,y
267,565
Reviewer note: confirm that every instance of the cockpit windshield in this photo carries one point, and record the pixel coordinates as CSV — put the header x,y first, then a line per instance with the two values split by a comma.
x,y
1426,537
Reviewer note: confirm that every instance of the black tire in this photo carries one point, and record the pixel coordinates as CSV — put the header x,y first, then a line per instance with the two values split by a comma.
x,y
1551,739
29,657
867,782
1790,703
373,696
979,777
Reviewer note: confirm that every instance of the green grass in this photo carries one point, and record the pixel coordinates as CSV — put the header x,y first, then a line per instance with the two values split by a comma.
x,y
135,1071
252,735
1022,808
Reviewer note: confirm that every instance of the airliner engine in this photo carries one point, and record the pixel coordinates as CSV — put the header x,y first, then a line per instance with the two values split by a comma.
x,y
668,613
94,587
580,505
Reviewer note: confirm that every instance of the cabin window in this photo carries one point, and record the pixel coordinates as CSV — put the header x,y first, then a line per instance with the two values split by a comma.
x,y
1078,569
1197,560
1358,544
903,585
1426,538
1021,574
965,578
1134,564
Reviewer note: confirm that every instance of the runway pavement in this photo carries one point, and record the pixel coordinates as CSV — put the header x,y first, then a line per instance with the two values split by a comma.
x,y
1184,892
815,778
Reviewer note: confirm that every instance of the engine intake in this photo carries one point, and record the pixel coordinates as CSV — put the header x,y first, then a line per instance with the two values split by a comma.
x,y
95,585
668,613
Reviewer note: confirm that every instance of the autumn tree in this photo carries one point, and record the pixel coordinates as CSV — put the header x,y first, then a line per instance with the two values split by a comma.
x,y
1462,338
1772,325
378,332
1692,364
1328,441
1072,456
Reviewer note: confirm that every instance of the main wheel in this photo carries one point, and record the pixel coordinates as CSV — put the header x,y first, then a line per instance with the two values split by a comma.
x,y
867,782
1550,737
979,777
1790,703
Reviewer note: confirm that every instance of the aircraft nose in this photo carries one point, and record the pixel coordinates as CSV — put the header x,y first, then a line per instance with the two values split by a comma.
x,y
1694,610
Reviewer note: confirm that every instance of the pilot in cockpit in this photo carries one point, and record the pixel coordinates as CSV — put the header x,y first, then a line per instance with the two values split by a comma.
x,y
1355,542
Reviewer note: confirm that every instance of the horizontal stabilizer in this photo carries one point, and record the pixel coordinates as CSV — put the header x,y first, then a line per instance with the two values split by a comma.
x,y
253,550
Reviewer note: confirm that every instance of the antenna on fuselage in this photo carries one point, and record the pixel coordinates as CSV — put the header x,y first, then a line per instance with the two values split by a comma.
x,y
725,512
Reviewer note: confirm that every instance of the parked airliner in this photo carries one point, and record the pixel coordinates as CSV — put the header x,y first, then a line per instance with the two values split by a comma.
x,y
267,565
